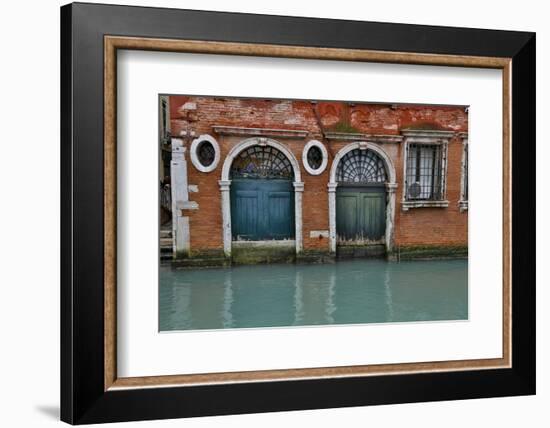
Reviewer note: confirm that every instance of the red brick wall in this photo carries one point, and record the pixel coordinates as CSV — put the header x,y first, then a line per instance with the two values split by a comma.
x,y
418,226
434,226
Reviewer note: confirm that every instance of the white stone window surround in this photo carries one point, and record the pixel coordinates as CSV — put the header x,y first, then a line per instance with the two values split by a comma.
x,y
391,186
225,187
463,202
440,138
194,155
324,152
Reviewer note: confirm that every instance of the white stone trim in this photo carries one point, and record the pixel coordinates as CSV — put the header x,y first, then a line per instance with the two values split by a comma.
x,y
225,186
391,186
357,136
194,158
427,134
332,216
363,145
318,234
259,132
307,147
298,191
463,203
226,215
260,141
406,205
180,197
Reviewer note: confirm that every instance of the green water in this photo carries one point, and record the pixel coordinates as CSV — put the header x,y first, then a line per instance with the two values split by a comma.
x,y
348,292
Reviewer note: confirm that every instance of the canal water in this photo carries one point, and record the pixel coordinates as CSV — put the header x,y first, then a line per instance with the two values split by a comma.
x,y
347,292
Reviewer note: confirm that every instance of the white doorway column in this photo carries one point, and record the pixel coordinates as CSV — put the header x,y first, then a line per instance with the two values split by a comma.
x,y
225,188
298,191
332,215
390,215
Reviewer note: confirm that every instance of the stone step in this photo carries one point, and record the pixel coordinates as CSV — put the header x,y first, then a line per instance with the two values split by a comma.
x,y
166,242
166,233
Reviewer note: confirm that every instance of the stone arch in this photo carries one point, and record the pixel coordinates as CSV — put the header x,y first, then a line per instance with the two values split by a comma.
x,y
390,169
225,186
259,141
391,185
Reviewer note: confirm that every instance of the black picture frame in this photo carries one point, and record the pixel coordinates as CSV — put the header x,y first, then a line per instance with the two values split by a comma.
x,y
83,398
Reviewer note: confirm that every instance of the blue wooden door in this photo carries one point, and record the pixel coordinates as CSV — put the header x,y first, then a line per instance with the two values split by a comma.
x,y
262,209
360,214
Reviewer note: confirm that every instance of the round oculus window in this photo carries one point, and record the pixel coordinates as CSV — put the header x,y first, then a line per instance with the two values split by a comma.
x,y
314,157
206,153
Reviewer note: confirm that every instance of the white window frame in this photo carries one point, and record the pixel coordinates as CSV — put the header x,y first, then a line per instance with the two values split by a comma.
x,y
426,137
194,155
324,163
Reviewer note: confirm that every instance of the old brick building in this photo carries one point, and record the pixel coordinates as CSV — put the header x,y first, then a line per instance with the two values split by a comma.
x,y
252,180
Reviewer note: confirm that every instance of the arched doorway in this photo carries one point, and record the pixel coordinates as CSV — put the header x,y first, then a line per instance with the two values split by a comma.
x,y
269,163
262,195
362,197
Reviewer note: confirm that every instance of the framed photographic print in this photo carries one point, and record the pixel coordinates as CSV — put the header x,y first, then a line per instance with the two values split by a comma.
x,y
265,213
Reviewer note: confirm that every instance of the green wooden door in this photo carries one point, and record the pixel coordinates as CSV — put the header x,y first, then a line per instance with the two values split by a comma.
x,y
360,214
262,209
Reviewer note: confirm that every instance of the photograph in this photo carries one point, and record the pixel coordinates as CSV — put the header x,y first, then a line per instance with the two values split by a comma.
x,y
267,211
291,212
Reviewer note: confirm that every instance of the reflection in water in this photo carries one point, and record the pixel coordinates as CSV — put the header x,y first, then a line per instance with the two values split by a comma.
x,y
348,292
387,289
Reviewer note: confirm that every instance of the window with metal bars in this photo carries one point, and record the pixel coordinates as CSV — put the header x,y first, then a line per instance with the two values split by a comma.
x,y
424,175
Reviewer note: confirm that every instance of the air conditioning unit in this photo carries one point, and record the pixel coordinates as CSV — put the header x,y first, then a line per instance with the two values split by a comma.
x,y
414,190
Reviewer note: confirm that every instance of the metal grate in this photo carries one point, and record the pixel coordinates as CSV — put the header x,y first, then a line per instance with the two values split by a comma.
x,y
314,157
361,166
424,178
262,162
206,153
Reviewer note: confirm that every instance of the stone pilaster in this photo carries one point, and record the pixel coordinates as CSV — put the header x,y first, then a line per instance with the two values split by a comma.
x,y
180,196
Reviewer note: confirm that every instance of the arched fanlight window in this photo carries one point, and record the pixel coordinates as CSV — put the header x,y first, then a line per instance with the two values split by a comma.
x,y
361,166
261,162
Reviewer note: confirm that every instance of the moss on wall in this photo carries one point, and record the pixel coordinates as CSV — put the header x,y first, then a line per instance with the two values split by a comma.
x,y
263,254
429,252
